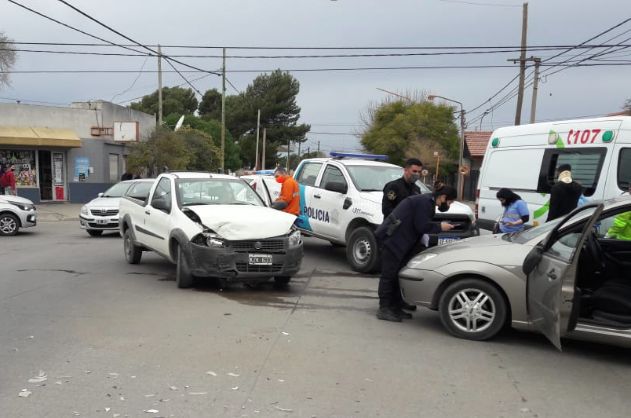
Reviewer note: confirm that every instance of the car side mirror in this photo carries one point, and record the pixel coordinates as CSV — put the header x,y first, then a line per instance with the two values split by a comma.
x,y
335,186
161,204
100,194
532,259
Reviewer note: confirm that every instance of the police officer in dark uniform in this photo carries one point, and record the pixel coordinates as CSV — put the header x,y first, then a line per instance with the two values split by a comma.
x,y
395,191
398,235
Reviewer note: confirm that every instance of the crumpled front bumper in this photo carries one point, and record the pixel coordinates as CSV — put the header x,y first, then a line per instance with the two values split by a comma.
x,y
228,264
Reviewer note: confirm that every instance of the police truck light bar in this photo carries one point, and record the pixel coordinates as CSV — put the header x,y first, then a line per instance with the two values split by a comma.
x,y
377,157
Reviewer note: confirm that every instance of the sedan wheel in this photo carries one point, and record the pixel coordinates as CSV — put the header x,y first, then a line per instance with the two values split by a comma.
x,y
9,224
473,309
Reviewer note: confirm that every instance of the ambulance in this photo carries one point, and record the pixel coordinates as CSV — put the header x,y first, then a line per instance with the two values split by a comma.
x,y
525,159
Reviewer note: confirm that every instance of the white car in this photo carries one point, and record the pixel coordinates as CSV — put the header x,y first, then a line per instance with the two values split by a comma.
x,y
340,201
15,213
265,185
211,225
101,214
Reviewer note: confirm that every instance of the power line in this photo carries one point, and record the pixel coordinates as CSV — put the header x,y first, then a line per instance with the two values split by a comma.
x,y
332,69
323,48
398,55
69,27
132,84
506,98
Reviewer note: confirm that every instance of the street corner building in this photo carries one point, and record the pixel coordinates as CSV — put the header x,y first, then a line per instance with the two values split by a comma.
x,y
69,153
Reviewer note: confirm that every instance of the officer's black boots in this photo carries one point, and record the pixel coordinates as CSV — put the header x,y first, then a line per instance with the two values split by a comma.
x,y
408,307
387,314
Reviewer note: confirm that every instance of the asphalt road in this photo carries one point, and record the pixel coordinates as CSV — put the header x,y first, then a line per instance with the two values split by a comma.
x,y
99,337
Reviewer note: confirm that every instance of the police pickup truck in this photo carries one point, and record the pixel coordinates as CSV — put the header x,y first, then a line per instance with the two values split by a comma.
x,y
340,199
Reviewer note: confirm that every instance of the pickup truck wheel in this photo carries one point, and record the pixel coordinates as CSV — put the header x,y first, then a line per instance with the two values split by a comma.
x,y
133,253
183,276
95,232
361,250
9,224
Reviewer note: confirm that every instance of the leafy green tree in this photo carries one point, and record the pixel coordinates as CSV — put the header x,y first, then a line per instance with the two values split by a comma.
x,y
401,129
275,95
210,106
164,148
204,154
7,59
213,129
174,100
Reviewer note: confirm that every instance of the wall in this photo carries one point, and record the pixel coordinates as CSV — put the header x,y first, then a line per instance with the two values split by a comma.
x,y
81,117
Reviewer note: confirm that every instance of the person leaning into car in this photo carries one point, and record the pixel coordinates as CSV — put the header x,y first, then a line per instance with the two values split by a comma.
x,y
398,235
395,191
289,198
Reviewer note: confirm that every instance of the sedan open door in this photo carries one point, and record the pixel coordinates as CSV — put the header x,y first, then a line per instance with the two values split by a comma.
x,y
551,269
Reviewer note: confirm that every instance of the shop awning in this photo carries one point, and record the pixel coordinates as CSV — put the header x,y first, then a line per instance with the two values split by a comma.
x,y
34,136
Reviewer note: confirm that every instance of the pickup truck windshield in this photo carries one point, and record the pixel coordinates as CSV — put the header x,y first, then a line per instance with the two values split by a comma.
x,y
209,191
372,178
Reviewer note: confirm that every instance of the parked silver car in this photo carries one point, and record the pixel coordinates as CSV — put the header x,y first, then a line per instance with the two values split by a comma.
x,y
101,214
15,213
567,278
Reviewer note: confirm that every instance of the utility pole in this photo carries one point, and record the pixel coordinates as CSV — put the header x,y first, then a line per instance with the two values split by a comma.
x,y
159,86
223,112
522,64
288,148
256,149
535,89
263,157
318,148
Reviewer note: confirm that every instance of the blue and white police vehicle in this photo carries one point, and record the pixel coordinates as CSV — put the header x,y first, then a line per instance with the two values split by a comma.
x,y
340,199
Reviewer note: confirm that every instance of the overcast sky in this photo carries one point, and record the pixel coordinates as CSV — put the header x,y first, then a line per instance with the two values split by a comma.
x,y
331,101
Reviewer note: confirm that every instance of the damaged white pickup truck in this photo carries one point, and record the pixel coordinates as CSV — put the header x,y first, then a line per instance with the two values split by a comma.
x,y
211,225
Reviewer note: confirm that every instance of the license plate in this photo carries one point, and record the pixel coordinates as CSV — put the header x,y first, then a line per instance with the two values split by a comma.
x,y
102,221
260,259
443,241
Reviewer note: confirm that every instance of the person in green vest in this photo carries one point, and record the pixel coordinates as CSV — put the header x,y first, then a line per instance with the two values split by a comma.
x,y
621,228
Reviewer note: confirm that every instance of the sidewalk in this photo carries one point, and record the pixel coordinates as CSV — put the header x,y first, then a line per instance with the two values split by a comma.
x,y
53,212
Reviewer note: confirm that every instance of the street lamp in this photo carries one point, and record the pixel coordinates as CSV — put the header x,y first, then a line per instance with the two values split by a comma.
x,y
431,97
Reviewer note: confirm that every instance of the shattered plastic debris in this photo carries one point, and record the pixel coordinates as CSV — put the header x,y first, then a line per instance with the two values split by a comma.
x,y
151,411
285,333
284,409
524,410
113,374
198,393
233,374
281,380
150,395
235,388
210,372
116,415
59,382
75,413
25,393
107,409
41,377
173,387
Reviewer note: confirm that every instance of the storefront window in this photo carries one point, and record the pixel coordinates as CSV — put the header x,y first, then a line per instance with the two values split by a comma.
x,y
25,169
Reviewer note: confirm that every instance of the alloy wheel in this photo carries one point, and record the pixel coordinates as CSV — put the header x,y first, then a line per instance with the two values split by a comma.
x,y
471,310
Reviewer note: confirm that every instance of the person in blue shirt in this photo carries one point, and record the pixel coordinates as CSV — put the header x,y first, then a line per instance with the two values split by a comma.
x,y
515,213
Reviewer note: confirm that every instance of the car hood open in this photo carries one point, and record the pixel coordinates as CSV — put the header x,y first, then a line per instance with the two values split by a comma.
x,y
239,222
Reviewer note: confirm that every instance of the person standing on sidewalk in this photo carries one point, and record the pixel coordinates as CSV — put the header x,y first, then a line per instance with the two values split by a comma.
x,y
399,235
565,193
7,181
